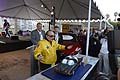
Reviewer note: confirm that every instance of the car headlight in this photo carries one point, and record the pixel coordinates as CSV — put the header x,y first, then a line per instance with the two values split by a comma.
x,y
64,61
71,62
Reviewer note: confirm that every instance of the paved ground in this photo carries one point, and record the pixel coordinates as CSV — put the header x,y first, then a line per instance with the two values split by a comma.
x,y
15,65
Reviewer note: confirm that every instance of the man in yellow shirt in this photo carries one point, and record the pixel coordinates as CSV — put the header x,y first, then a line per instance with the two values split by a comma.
x,y
45,52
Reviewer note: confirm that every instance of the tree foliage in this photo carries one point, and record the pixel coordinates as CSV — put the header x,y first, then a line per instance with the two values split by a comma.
x,y
115,24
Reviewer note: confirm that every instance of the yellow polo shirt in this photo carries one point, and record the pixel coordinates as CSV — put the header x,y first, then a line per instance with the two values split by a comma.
x,y
48,51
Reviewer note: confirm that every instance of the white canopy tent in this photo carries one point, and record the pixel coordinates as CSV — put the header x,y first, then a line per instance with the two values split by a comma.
x,y
41,9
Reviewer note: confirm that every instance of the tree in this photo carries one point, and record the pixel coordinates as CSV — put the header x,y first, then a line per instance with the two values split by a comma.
x,y
116,25
115,14
118,19
107,16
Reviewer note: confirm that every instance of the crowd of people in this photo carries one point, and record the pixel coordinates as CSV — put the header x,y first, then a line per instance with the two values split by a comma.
x,y
45,53
47,46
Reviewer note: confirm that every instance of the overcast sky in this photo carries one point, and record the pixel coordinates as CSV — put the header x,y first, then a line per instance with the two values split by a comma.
x,y
108,7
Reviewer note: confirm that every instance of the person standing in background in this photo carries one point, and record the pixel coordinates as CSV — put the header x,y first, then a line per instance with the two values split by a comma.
x,y
104,66
58,39
36,35
94,45
58,36
6,27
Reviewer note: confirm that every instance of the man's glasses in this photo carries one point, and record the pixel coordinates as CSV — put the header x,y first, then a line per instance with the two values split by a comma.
x,y
51,35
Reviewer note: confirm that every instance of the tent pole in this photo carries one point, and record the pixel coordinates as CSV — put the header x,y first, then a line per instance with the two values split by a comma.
x,y
88,33
100,23
105,25
16,26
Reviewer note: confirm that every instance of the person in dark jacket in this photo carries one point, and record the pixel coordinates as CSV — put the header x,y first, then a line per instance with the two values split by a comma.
x,y
36,35
58,39
94,47
6,27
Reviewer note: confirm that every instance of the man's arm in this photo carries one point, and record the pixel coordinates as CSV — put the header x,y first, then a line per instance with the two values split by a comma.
x,y
37,51
33,38
8,25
